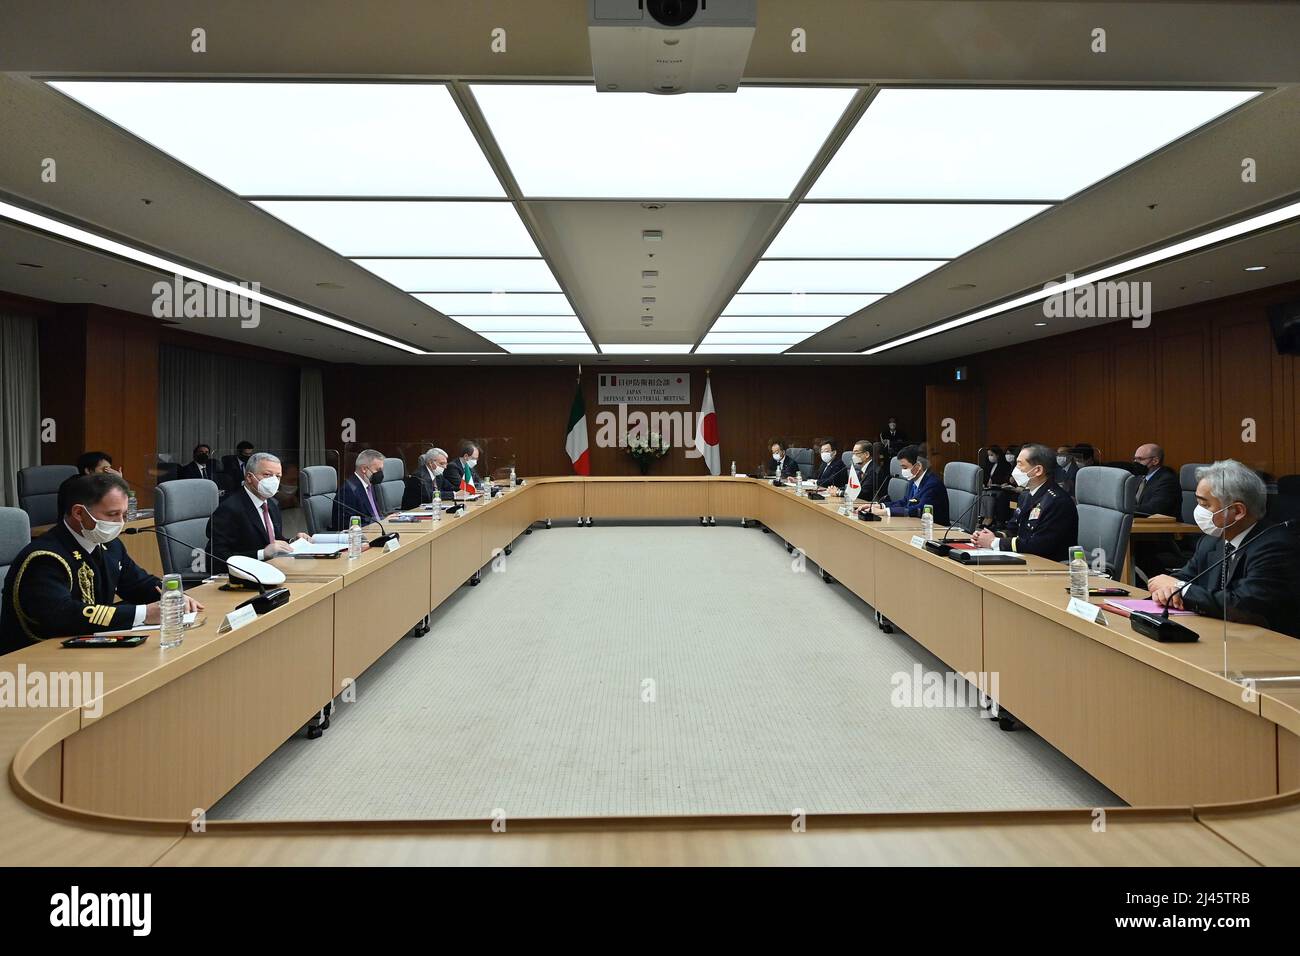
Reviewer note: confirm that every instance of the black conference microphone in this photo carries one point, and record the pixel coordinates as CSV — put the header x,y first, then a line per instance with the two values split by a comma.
x,y
1159,627
938,547
384,535
268,598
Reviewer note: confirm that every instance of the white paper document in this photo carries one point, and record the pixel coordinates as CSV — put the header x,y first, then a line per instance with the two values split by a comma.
x,y
190,617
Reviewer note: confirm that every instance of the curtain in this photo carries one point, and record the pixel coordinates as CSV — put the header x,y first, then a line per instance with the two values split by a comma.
x,y
311,418
223,400
20,402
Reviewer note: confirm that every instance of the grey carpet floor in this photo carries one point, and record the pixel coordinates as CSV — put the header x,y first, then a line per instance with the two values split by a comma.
x,y
651,670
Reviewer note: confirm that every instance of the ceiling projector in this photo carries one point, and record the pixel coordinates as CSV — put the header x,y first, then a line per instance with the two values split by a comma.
x,y
670,46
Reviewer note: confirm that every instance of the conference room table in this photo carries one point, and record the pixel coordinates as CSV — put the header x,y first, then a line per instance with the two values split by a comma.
x,y
1155,526
1209,765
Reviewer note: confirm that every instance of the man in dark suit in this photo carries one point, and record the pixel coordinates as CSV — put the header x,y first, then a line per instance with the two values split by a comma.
x,y
248,522
64,583
201,465
234,466
780,465
1046,521
1159,491
892,437
431,478
1067,469
832,473
465,467
924,487
1259,577
357,497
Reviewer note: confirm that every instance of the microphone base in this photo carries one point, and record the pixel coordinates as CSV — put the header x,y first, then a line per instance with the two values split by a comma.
x,y
383,539
268,600
1161,629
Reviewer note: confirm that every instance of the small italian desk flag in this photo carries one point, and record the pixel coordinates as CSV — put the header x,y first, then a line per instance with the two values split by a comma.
x,y
575,441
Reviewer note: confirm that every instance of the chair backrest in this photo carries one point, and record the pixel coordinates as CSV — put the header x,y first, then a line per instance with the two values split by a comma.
x,y
1187,478
897,484
1106,499
965,483
412,493
182,508
317,486
847,458
803,460
15,534
389,493
167,471
38,491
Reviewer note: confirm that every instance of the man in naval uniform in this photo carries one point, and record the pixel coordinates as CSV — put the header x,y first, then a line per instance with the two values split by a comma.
x,y
64,583
1046,521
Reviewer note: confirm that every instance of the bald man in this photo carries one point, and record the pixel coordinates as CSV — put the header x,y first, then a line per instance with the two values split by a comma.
x,y
1159,492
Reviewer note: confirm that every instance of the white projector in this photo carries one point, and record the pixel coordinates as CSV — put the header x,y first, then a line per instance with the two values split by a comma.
x,y
670,46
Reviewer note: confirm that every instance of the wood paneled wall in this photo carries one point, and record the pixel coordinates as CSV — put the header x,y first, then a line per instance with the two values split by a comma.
x,y
1187,382
399,408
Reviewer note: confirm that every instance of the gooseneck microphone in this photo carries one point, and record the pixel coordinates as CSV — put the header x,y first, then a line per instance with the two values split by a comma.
x,y
1161,628
385,536
268,598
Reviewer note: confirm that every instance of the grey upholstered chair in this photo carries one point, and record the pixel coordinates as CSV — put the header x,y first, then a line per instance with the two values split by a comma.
x,y
15,534
1187,478
317,486
897,483
1107,498
803,460
965,483
38,491
182,509
389,493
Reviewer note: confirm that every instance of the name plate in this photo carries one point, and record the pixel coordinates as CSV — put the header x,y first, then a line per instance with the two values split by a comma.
x,y
238,618
918,541
392,544
1085,610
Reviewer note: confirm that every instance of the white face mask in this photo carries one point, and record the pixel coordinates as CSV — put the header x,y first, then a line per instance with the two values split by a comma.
x,y
1204,518
267,487
1010,458
473,462
859,459
1019,477
437,469
777,457
104,531
1062,460
827,456
906,474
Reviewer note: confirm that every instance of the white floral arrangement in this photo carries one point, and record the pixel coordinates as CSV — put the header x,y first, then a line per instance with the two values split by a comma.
x,y
652,447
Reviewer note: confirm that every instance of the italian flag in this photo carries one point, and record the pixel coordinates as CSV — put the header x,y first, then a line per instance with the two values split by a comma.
x,y
575,442
467,481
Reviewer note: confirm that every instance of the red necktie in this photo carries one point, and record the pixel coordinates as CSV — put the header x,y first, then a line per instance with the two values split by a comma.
x,y
270,529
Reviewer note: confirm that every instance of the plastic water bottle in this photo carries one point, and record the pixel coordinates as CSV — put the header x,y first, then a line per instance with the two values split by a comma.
x,y
1078,574
355,538
132,506
733,469
512,476
927,523
171,612
437,505
798,483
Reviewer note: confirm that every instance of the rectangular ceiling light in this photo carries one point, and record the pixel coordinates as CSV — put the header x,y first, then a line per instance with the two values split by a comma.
x,y
708,347
755,143
520,323
642,348
521,349
464,275
91,240
786,303
755,338
835,276
506,339
894,230
799,324
1172,251
1043,144
368,229
497,303
303,139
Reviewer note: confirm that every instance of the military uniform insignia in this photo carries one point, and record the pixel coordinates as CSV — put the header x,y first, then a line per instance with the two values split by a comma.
x,y
86,581
1033,515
